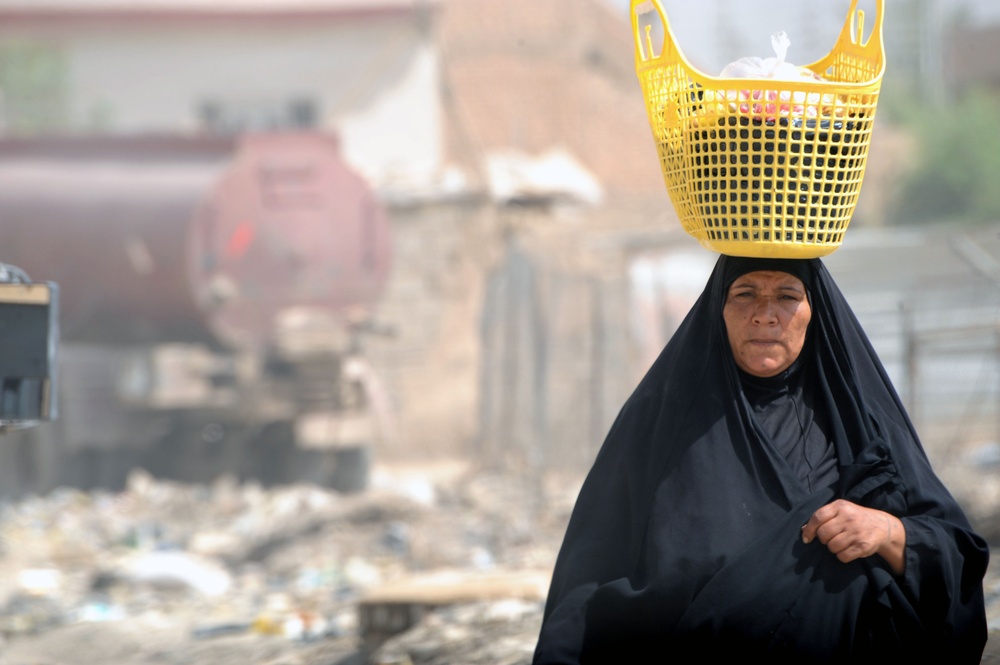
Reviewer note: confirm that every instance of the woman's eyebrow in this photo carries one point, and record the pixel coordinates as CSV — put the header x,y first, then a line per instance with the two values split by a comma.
x,y
791,287
782,288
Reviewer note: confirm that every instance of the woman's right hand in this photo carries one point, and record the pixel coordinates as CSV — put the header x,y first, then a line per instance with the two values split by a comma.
x,y
852,532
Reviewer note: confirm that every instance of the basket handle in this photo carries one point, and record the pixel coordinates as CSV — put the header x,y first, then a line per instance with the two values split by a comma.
x,y
854,27
852,38
852,31
643,38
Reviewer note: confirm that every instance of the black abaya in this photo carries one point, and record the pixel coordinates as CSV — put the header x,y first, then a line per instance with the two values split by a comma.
x,y
685,538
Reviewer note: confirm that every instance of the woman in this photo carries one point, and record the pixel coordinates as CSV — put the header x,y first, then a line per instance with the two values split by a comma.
x,y
763,492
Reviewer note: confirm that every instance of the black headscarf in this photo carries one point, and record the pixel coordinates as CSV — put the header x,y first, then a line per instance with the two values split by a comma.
x,y
783,406
686,533
736,266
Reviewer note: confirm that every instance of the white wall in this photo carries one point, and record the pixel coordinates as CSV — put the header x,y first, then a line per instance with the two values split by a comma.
x,y
375,81
397,139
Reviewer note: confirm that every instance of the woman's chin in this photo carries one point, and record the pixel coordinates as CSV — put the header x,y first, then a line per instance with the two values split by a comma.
x,y
765,368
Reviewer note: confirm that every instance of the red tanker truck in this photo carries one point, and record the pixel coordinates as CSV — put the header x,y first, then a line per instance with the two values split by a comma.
x,y
214,295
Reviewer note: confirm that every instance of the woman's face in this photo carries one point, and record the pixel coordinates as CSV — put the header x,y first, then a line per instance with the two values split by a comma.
x,y
767,314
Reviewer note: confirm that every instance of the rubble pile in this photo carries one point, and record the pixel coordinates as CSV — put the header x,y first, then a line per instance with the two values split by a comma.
x,y
431,566
483,633
165,572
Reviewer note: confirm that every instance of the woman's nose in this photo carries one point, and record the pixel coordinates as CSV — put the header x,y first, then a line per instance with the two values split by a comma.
x,y
764,311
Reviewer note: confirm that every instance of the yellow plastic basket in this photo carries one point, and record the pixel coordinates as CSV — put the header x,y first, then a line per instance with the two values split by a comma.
x,y
763,167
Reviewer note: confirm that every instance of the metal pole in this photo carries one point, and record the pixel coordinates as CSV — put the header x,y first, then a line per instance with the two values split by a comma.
x,y
910,359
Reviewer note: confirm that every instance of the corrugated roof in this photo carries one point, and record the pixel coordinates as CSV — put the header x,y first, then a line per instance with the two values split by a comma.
x,y
533,75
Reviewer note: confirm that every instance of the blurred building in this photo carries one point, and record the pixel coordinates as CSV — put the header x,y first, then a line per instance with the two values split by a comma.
x,y
411,86
530,76
367,69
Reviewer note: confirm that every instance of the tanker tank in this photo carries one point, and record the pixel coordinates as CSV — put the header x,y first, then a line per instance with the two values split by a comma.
x,y
160,239
213,294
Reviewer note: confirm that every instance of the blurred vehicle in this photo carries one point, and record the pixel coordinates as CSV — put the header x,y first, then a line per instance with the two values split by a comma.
x,y
214,293
29,330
